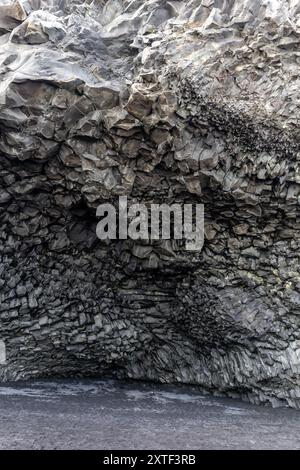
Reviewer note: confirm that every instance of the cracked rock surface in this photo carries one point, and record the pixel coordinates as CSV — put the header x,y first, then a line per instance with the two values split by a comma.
x,y
162,101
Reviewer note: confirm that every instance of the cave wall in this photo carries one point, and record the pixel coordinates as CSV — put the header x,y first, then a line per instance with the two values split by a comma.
x,y
161,101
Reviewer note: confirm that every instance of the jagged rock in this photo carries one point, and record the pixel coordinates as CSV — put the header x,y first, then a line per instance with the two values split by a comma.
x,y
162,101
38,28
11,13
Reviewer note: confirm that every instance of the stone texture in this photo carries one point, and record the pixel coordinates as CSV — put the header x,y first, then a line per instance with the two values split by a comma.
x,y
162,101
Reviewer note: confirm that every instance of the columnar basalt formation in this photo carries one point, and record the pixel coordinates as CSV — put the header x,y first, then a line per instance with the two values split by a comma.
x,y
162,101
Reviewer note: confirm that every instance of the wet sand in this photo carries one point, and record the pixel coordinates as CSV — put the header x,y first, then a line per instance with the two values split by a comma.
x,y
106,414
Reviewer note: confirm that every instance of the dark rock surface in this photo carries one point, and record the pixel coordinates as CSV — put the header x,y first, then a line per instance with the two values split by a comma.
x,y
93,414
164,101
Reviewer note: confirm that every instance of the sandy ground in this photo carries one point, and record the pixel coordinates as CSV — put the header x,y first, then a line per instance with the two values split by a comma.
x,y
104,414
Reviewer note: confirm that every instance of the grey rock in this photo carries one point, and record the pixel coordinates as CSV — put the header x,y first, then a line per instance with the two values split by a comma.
x,y
160,101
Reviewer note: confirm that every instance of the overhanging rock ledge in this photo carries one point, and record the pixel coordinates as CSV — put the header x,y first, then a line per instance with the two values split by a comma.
x,y
164,101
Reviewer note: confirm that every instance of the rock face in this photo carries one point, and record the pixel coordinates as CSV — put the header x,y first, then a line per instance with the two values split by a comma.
x,y
162,101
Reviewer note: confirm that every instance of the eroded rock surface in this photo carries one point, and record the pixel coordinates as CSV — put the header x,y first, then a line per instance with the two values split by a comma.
x,y
162,101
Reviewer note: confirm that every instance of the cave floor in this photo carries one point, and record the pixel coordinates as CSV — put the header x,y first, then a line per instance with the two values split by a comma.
x,y
106,414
